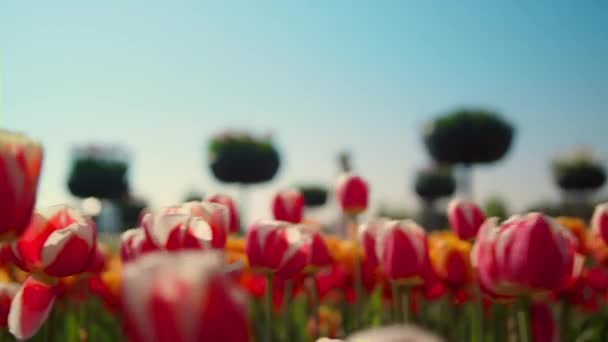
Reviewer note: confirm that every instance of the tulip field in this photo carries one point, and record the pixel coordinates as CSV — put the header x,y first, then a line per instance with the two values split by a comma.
x,y
195,272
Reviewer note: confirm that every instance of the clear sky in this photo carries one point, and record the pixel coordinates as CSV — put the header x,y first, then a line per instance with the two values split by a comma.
x,y
162,77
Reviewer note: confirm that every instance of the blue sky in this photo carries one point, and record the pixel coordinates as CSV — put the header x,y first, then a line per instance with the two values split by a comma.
x,y
162,77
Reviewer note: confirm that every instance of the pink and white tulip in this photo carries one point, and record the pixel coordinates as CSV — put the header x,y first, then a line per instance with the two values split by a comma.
x,y
229,203
184,296
318,252
173,229
402,251
276,247
465,218
7,293
30,308
599,221
352,193
20,164
368,235
133,243
288,205
58,242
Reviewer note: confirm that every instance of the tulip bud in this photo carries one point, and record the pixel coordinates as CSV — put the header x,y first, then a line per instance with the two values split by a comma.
x,y
599,221
216,215
368,234
7,293
30,308
229,203
288,205
402,251
173,229
318,253
352,193
58,242
465,218
20,162
183,296
276,247
512,258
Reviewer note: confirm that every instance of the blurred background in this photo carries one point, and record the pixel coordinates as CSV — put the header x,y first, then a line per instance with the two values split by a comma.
x,y
145,87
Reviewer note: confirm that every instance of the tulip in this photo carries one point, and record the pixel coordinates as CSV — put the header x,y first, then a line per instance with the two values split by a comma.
x,y
368,234
134,242
30,308
276,247
465,218
216,215
7,293
318,252
599,221
183,296
352,193
229,203
174,229
402,251
58,242
451,259
512,259
543,326
100,258
20,163
288,205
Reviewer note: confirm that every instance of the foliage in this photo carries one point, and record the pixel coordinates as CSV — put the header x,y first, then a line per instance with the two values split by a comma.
x,y
496,207
434,183
314,195
468,136
578,172
241,158
98,172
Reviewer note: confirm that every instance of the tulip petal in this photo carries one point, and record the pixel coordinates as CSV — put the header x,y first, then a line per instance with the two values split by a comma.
x,y
69,250
30,308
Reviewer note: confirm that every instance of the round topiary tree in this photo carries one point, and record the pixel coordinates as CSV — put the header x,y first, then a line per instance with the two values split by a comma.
x,y
242,159
578,175
314,195
467,137
99,171
430,185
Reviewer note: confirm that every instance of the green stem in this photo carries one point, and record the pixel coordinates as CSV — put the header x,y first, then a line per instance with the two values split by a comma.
x,y
314,299
523,320
396,302
268,307
287,307
405,302
477,317
565,320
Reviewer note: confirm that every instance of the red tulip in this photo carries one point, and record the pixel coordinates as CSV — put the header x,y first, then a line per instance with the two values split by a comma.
x,y
368,234
599,221
100,257
276,247
318,252
229,203
543,326
7,293
402,251
20,162
352,193
58,242
134,242
183,296
512,259
288,205
30,308
465,218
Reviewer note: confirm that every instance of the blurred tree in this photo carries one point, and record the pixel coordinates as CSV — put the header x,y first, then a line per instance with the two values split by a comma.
x,y
466,137
430,185
393,213
496,207
99,171
578,175
130,211
242,159
314,195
